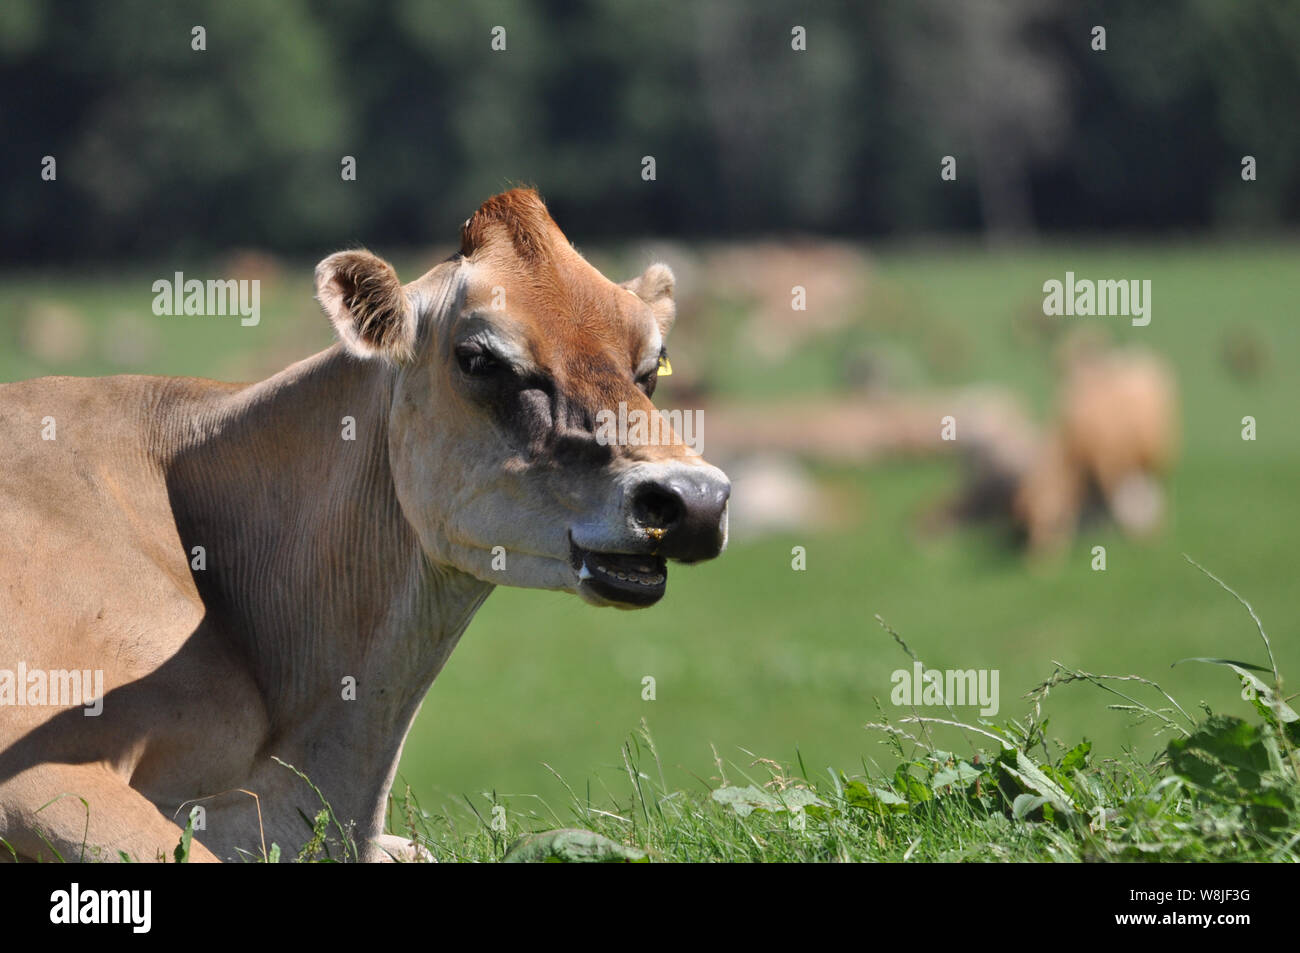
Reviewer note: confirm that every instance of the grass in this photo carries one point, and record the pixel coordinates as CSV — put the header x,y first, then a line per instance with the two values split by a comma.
x,y
1221,787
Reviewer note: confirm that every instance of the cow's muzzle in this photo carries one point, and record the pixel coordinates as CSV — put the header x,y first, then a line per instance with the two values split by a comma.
x,y
683,514
666,512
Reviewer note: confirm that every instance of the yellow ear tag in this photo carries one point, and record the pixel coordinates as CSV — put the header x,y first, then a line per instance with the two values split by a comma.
x,y
665,369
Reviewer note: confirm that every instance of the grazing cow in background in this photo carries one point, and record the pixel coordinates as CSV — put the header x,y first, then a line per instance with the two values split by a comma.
x,y
232,564
1115,436
1106,450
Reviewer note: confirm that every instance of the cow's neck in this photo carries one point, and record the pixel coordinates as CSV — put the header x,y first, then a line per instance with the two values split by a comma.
x,y
312,571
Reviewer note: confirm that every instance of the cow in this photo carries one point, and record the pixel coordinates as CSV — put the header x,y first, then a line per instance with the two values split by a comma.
x,y
1114,440
269,576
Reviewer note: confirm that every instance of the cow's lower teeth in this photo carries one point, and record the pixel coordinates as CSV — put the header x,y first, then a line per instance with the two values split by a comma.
x,y
641,575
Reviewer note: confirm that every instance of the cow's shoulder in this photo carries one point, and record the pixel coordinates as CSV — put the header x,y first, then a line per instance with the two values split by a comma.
x,y
85,510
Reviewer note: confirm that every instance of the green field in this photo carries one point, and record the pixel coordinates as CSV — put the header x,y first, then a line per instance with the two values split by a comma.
x,y
753,659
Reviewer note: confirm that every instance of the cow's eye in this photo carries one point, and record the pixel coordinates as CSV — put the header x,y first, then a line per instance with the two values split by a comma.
x,y
476,361
647,382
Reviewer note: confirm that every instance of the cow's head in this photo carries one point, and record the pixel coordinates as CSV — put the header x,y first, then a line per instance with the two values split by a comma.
x,y
505,357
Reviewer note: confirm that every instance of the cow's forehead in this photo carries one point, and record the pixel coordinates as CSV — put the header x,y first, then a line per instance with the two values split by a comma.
x,y
560,310
520,267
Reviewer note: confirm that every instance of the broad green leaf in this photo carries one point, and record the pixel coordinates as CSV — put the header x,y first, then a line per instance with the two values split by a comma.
x,y
744,801
914,790
1026,804
1223,750
1029,775
1076,759
960,774
570,846
879,800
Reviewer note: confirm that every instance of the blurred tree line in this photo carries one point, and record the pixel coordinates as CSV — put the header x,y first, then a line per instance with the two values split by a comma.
x,y
164,149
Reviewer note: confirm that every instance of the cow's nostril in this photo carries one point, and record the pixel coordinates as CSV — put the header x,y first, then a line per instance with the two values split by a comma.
x,y
684,512
657,507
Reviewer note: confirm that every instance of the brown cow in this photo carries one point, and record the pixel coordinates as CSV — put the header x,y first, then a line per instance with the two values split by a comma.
x,y
1115,438
233,565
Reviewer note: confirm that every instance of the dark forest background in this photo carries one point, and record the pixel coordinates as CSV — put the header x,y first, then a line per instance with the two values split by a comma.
x,y
165,150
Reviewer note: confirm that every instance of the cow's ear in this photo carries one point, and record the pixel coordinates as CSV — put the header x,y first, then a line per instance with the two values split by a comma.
x,y
363,297
655,288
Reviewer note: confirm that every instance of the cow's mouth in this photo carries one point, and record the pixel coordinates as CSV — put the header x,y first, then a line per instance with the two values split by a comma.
x,y
620,578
